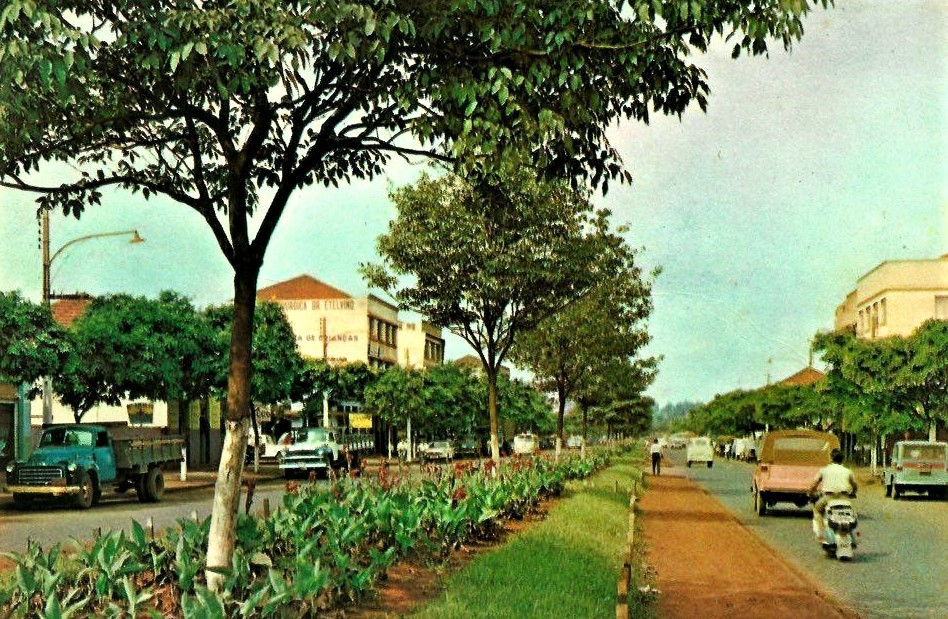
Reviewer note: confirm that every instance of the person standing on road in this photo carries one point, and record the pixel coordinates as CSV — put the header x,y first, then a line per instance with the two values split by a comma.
x,y
656,451
833,480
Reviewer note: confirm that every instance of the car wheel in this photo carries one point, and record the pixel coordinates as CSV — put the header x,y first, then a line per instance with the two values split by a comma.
x,y
86,491
710,463
896,491
888,489
760,508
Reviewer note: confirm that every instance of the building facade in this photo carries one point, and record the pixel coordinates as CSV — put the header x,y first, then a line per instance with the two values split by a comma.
x,y
895,298
332,325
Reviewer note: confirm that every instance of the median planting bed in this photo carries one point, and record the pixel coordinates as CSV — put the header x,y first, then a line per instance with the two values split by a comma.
x,y
324,549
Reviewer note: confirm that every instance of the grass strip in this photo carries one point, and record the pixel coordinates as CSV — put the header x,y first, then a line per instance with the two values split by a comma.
x,y
566,566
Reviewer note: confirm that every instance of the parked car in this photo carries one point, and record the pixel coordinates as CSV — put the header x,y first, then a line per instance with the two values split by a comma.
x,y
789,462
469,447
745,449
525,444
574,442
319,450
700,450
269,447
918,466
438,450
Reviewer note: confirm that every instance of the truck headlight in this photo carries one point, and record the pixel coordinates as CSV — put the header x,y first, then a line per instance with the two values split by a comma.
x,y
10,467
71,467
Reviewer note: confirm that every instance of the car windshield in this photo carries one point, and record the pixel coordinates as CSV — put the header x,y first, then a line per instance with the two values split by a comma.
x,y
61,437
699,442
801,450
925,452
309,435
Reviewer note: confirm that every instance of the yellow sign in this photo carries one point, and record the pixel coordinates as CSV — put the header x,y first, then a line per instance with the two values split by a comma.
x,y
360,421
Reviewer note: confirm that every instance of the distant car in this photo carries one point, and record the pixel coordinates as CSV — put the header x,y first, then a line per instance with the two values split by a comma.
x,y
438,450
469,447
699,450
745,449
918,466
574,442
525,444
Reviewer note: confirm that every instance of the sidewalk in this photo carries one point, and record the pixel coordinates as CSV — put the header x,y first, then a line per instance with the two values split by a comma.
x,y
706,564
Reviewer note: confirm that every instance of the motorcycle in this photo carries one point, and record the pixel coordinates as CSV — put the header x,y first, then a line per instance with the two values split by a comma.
x,y
839,528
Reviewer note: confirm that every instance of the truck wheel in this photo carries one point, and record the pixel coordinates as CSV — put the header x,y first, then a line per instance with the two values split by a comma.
x,y
896,491
710,463
96,490
888,489
140,490
689,464
21,501
760,508
86,494
155,484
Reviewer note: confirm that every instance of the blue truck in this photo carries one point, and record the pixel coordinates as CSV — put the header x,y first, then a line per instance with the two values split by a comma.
x,y
76,461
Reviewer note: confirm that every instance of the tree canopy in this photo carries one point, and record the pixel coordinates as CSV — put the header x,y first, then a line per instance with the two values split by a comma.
x,y
606,324
32,344
489,261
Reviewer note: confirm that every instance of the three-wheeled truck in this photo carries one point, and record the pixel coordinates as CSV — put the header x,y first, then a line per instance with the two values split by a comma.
x,y
77,461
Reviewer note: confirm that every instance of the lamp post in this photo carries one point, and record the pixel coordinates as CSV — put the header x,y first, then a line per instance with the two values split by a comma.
x,y
47,295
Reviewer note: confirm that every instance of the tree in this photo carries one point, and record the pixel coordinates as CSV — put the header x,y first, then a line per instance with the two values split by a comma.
x,y
490,261
32,344
228,107
606,323
398,397
454,400
133,347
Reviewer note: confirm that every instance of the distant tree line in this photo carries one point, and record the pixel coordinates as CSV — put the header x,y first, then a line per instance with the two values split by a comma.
x,y
873,388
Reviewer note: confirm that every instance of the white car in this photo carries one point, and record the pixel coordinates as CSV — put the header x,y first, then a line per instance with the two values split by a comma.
x,y
438,450
699,450
525,444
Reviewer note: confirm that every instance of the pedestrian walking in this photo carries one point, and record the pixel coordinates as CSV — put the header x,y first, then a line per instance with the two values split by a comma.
x,y
656,451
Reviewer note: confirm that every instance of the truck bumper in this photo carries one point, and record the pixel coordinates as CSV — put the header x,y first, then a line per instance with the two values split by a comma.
x,y
54,491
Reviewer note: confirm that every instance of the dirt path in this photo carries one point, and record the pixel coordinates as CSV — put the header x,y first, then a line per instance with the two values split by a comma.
x,y
707,565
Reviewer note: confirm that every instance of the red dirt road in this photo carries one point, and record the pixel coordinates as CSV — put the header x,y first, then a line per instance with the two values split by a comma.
x,y
707,565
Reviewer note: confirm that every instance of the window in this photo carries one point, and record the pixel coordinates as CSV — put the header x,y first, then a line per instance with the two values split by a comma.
x,y
881,311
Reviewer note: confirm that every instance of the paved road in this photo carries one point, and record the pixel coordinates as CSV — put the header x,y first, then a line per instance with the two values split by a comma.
x,y
900,568
52,524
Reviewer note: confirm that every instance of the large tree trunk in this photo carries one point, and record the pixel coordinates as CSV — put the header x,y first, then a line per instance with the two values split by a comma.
x,y
492,411
223,534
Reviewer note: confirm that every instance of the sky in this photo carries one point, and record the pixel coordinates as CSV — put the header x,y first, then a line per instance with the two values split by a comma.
x,y
808,169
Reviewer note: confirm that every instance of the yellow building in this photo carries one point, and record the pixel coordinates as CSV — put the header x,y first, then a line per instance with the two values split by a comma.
x,y
332,325
895,298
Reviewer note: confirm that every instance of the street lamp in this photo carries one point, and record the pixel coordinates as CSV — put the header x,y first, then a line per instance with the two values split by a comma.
x,y
47,263
48,260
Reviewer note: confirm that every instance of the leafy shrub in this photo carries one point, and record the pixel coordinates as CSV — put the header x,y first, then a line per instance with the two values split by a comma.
x,y
324,549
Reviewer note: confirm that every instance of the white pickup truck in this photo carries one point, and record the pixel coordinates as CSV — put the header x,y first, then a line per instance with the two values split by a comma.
x,y
320,450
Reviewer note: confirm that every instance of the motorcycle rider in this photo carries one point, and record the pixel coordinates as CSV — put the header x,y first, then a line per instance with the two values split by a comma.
x,y
834,480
